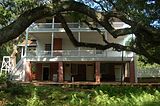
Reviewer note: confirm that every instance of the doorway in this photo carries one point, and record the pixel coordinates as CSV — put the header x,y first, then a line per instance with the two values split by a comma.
x,y
78,72
107,72
45,73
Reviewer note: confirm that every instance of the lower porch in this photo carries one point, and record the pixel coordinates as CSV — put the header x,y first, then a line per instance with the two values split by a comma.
x,y
81,72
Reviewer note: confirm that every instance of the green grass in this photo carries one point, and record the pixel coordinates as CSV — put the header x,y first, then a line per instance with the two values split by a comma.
x,y
28,95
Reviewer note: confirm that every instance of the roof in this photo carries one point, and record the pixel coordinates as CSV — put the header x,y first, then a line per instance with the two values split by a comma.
x,y
29,43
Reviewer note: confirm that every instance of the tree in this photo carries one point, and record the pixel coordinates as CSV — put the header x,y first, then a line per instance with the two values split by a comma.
x,y
139,14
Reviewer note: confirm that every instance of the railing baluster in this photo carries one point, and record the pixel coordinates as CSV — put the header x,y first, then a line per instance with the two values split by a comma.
x,y
78,53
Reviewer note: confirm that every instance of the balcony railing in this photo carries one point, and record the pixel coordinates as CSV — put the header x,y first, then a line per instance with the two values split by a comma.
x,y
72,26
78,53
55,26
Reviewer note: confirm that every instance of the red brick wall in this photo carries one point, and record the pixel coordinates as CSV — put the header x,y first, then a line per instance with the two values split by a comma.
x,y
97,64
132,72
60,72
51,71
28,76
38,71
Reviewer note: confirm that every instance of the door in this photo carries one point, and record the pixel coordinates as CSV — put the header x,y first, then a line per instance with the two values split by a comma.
x,y
57,44
117,69
90,72
78,72
45,73
82,72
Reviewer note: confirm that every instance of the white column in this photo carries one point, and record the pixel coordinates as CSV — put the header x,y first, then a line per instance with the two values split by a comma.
x,y
22,51
52,41
26,45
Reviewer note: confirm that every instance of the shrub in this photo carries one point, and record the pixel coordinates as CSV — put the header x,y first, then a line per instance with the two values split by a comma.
x,y
34,100
3,77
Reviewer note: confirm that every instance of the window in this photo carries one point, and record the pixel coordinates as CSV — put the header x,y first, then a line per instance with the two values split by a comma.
x,y
47,47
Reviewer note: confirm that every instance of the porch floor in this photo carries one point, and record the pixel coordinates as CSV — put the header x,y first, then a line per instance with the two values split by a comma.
x,y
41,83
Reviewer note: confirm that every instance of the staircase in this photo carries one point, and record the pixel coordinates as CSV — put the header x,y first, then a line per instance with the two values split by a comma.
x,y
15,73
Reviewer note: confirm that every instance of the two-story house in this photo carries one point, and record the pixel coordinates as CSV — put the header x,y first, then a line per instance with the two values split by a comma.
x,y
47,54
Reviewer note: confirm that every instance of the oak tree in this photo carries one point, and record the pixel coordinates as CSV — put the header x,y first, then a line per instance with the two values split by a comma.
x,y
141,15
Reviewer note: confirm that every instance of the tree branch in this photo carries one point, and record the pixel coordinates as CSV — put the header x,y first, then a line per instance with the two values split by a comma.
x,y
74,41
97,29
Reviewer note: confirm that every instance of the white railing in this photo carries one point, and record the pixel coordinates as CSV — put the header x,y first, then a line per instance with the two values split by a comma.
x,y
79,53
39,26
17,72
152,72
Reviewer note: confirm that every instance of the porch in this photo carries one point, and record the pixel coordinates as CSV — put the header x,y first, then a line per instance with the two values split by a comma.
x,y
80,72
51,83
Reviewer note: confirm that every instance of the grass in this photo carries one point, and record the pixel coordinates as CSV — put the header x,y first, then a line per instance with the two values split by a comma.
x,y
29,95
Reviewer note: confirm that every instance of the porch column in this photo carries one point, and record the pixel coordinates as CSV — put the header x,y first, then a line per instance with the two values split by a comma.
x,y
60,72
26,45
52,44
132,72
28,72
52,41
22,52
97,72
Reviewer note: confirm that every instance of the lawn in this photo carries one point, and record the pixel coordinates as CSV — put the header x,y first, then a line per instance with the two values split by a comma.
x,y
104,95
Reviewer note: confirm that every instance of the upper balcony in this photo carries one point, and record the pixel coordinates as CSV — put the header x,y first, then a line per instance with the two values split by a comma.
x,y
79,55
56,27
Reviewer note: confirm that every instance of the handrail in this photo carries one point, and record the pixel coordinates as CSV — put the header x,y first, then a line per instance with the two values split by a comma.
x,y
58,25
79,53
18,65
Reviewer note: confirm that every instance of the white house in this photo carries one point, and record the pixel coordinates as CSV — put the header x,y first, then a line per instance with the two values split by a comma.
x,y
47,54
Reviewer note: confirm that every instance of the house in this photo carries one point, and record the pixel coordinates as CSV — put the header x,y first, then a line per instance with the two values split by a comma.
x,y
47,54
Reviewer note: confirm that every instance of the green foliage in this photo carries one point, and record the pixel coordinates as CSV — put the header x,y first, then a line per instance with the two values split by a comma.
x,y
34,100
145,65
6,49
3,77
10,9
74,16
80,99
100,96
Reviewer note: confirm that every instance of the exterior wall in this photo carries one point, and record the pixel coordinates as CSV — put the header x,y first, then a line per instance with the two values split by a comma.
x,y
132,72
117,70
28,74
91,37
60,72
111,71
53,71
67,72
86,35
66,43
97,71
42,39
39,71
90,72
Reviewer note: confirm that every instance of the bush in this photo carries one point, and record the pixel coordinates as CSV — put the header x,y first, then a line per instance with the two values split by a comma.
x,y
29,95
3,77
